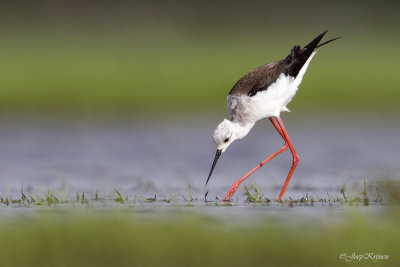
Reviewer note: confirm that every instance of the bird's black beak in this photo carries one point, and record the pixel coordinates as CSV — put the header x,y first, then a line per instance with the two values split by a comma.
x,y
219,151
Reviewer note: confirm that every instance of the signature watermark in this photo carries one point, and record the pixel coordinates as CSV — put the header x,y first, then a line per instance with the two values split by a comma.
x,y
363,256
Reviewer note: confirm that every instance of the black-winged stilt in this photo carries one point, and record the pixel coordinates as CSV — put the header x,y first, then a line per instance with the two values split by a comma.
x,y
264,93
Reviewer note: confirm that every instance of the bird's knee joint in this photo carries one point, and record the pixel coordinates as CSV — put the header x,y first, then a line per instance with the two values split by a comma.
x,y
285,146
296,159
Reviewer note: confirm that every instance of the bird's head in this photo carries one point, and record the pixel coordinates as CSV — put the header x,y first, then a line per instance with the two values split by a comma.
x,y
224,135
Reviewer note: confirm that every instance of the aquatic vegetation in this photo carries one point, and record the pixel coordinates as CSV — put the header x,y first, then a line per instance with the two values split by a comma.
x,y
150,199
254,198
386,193
118,197
168,199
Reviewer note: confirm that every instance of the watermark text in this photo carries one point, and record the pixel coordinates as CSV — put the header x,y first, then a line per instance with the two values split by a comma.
x,y
363,256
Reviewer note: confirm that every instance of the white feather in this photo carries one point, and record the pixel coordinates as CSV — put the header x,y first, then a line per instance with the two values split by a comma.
x,y
249,109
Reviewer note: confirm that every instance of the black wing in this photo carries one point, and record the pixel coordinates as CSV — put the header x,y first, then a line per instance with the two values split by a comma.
x,y
258,80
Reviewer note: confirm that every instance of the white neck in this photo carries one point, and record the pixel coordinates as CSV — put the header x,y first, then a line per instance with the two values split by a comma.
x,y
241,129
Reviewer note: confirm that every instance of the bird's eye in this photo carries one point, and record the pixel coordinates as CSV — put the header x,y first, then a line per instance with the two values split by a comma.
x,y
226,140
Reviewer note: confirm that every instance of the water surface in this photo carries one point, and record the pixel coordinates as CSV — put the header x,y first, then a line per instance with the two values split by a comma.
x,y
165,155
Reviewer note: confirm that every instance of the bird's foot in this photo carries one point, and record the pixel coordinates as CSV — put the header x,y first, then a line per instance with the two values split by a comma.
x,y
231,192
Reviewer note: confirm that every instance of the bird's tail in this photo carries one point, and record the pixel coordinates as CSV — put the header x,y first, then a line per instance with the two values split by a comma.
x,y
313,44
308,49
298,56
324,43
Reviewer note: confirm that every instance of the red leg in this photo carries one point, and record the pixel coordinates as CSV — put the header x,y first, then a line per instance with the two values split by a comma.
x,y
233,188
294,154
278,128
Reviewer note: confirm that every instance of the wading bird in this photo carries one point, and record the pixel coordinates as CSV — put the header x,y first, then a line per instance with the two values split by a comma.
x,y
264,93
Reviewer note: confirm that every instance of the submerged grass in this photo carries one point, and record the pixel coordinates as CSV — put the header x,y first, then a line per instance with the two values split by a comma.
x,y
118,197
361,198
188,198
254,198
386,193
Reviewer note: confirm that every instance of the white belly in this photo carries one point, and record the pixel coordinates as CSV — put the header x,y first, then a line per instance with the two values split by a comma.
x,y
266,103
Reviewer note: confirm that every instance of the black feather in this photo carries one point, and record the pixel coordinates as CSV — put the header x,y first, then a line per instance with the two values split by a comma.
x,y
298,56
324,43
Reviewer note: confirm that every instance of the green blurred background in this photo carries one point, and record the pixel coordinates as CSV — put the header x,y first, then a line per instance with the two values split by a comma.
x,y
143,57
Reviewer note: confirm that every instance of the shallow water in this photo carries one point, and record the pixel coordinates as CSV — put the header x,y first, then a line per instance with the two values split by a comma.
x,y
164,156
